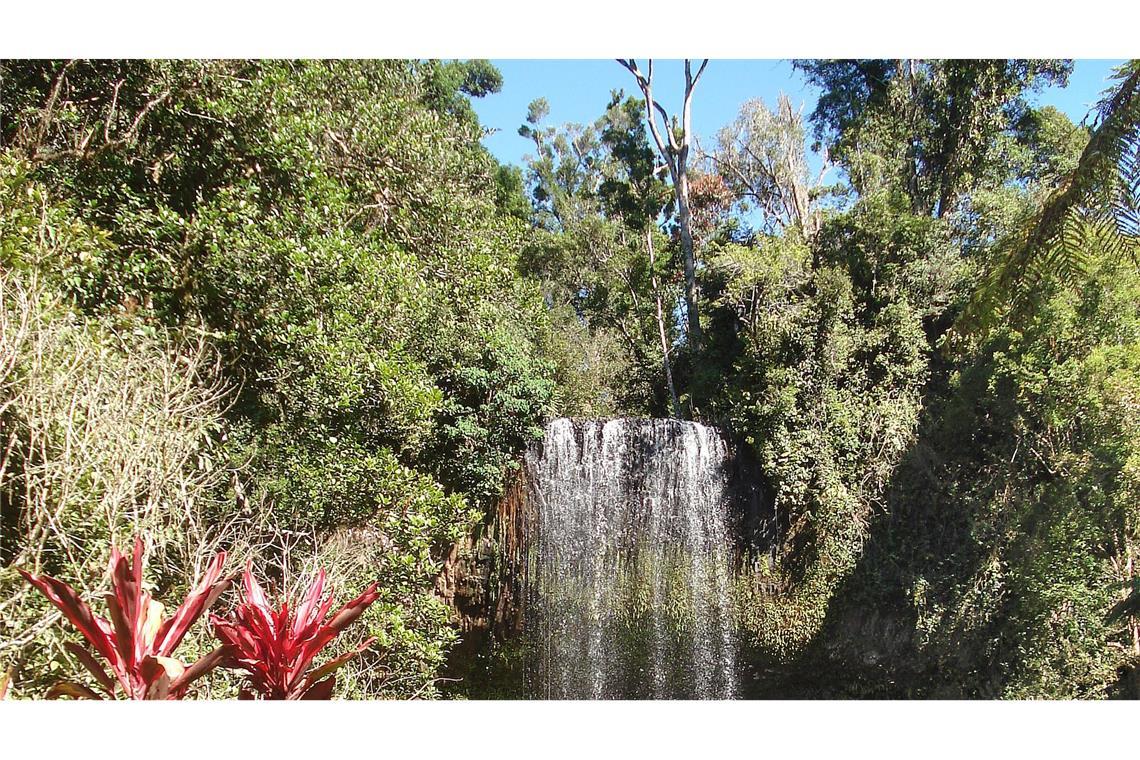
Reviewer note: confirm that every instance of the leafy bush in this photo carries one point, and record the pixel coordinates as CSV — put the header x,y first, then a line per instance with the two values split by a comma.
x,y
329,232
822,374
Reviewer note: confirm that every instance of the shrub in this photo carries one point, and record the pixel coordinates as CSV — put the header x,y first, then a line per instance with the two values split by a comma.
x,y
137,642
276,648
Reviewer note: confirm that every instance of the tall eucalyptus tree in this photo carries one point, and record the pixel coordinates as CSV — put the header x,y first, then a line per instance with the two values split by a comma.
x,y
674,149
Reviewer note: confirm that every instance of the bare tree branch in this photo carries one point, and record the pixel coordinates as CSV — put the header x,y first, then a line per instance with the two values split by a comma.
x,y
675,153
49,108
666,149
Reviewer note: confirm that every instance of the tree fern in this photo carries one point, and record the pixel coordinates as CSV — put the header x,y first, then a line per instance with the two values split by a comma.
x,y
1128,606
1094,206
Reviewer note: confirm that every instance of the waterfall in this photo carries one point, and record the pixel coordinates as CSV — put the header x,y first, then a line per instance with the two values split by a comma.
x,y
631,564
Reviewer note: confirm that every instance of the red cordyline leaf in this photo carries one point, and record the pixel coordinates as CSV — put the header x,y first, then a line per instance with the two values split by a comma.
x,y
276,648
136,642
93,667
94,628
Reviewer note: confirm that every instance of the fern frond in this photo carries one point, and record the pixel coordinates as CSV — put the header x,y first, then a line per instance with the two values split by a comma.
x,y
1094,206
1130,605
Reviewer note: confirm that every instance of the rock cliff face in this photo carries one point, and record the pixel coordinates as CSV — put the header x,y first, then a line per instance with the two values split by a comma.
x,y
611,559
483,578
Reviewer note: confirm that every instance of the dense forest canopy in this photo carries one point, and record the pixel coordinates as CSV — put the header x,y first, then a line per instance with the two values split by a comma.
x,y
295,310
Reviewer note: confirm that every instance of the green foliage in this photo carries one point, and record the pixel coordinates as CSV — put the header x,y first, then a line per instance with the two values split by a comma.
x,y
494,408
982,549
596,195
338,233
510,194
1094,204
828,363
445,84
934,130
1053,142
1012,518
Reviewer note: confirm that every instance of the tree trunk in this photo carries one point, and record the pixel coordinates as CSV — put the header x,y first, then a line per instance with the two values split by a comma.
x,y
661,328
685,218
676,156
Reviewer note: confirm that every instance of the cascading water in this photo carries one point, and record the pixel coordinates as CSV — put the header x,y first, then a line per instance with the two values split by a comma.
x,y
631,565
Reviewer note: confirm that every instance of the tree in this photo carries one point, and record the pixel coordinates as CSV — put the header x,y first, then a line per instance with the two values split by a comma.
x,y
761,156
598,199
674,150
340,237
1097,200
931,129
446,84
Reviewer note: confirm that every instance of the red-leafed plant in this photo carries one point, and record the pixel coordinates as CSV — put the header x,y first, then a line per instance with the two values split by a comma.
x,y
275,648
137,642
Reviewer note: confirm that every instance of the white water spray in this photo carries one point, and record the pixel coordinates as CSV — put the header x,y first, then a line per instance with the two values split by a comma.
x,y
632,562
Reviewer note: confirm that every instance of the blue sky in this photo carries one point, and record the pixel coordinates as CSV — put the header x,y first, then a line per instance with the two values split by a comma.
x,y
579,90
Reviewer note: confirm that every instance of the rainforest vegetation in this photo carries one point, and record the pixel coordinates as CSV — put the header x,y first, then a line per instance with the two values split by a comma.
x,y
295,315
